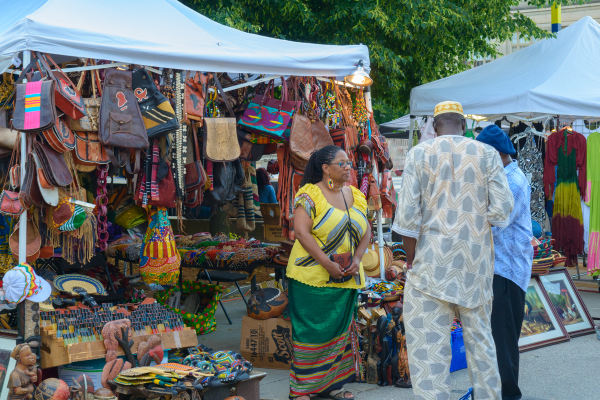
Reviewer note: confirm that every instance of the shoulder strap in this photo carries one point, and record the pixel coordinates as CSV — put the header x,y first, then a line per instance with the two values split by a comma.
x,y
349,222
220,89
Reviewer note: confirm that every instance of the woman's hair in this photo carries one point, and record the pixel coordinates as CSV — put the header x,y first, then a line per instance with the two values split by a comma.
x,y
313,173
262,178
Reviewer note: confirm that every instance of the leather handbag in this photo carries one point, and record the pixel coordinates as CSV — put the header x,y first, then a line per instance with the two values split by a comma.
x,y
9,204
194,172
30,194
89,150
157,112
374,202
388,197
60,137
54,165
194,96
67,97
340,138
166,190
269,116
121,122
249,151
33,242
305,138
220,136
34,109
48,191
90,121
228,182
382,151
8,137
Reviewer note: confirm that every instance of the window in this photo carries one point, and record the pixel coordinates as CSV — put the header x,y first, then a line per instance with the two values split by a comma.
x,y
518,42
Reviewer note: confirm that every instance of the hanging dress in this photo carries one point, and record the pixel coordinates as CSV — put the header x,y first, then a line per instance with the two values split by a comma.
x,y
568,151
592,199
530,162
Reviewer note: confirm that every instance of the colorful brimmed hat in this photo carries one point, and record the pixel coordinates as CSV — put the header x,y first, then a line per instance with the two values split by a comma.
x,y
448,107
22,283
68,216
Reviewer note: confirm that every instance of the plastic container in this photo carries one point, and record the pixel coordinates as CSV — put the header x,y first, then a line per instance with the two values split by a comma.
x,y
459,355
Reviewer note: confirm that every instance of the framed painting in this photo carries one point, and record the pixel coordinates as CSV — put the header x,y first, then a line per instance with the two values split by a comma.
x,y
541,325
567,302
7,364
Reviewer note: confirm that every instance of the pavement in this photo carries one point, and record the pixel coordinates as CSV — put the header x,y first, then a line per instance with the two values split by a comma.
x,y
565,371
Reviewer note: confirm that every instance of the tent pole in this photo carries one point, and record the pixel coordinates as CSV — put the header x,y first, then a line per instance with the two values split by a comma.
x,y
23,217
367,94
411,129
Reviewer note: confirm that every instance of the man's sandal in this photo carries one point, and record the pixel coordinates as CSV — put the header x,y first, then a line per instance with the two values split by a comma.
x,y
338,394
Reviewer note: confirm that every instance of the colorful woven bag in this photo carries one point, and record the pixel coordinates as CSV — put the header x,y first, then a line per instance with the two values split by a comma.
x,y
205,321
159,256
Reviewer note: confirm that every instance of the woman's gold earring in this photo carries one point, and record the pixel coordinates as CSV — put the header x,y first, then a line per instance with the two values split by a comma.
x,y
330,183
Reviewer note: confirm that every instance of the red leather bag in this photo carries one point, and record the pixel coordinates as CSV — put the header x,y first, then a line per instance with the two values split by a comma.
x,y
9,204
166,190
195,96
388,195
67,97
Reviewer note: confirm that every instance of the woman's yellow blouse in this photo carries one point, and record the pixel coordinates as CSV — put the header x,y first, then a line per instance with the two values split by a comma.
x,y
330,230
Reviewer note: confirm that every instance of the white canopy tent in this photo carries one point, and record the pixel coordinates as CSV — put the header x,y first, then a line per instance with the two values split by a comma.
x,y
161,33
555,76
550,77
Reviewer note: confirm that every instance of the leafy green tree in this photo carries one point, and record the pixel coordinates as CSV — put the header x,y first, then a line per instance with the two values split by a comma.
x,y
411,42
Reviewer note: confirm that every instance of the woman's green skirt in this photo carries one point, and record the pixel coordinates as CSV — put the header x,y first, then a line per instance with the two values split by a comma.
x,y
323,358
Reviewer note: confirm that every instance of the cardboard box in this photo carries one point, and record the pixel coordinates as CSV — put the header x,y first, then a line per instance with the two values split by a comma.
x,y
272,227
267,343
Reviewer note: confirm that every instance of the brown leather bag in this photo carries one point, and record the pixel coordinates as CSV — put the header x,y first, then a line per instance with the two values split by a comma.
x,y
55,167
88,150
388,195
60,137
89,122
9,204
305,138
194,172
374,202
220,135
195,96
40,120
30,191
121,123
33,242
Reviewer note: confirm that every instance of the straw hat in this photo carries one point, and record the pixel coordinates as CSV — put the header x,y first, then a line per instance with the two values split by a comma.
x,y
371,261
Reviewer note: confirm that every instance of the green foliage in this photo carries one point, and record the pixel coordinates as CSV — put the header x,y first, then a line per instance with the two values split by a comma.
x,y
411,42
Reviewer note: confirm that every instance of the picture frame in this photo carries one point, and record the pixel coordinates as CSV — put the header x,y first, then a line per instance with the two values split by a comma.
x,y
541,325
567,302
7,364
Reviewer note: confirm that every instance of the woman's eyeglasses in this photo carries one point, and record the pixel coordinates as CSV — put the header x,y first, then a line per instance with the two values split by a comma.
x,y
344,163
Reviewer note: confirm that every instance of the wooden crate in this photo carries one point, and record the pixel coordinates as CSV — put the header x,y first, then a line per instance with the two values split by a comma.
x,y
54,352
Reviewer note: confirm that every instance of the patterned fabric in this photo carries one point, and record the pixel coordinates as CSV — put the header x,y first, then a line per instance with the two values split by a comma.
x,y
76,219
568,152
428,323
453,190
512,245
331,231
321,319
7,261
160,259
530,162
592,199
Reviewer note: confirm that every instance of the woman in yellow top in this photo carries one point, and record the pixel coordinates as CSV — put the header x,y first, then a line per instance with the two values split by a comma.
x,y
329,218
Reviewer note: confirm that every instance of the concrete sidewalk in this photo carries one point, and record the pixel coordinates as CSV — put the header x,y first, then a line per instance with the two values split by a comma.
x,y
564,371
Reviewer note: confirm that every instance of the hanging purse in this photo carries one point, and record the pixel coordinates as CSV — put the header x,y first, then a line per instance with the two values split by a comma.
x,y
305,138
34,110
60,137
194,96
166,190
220,135
54,165
67,97
89,122
9,204
121,123
388,195
195,177
267,115
249,151
88,150
374,202
157,112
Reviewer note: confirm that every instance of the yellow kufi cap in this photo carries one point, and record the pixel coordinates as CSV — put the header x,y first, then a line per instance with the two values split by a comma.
x,y
448,107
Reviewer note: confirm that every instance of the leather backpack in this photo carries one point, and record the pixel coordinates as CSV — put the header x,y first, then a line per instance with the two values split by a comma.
x,y
122,127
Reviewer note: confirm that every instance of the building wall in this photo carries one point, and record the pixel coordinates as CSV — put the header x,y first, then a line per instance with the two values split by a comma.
x,y
542,17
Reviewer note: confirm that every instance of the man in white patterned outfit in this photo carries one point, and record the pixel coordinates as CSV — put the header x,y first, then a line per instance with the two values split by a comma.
x,y
454,189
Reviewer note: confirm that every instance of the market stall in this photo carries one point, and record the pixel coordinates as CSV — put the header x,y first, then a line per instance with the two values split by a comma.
x,y
543,95
124,132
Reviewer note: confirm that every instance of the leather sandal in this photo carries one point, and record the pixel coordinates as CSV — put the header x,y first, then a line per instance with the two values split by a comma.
x,y
337,394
